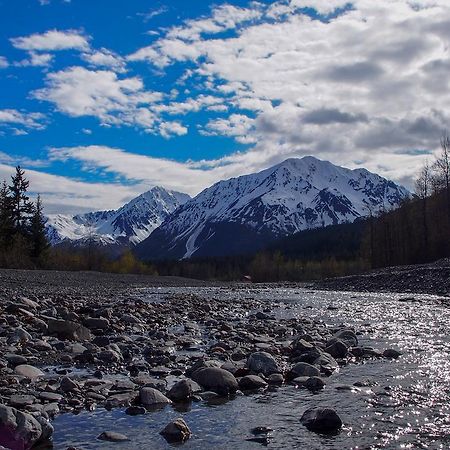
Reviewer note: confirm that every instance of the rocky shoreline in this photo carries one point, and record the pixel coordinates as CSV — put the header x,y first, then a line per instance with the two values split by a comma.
x,y
431,279
79,341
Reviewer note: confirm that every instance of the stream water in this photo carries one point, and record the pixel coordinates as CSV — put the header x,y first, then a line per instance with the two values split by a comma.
x,y
404,403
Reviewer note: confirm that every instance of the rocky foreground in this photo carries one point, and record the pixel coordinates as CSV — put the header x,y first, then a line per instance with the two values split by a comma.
x,y
73,341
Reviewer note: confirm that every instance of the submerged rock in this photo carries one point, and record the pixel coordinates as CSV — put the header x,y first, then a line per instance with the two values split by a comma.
x,y
321,420
112,436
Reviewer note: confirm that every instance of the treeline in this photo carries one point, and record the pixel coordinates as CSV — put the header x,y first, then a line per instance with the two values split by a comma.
x,y
24,243
419,231
308,255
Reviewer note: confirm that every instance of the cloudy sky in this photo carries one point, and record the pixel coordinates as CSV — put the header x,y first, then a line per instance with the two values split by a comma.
x,y
100,100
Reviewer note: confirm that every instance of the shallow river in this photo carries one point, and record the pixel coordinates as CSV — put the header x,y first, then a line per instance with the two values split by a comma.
x,y
407,404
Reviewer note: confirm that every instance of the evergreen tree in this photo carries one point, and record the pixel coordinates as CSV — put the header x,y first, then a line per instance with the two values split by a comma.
x,y
22,208
6,220
38,233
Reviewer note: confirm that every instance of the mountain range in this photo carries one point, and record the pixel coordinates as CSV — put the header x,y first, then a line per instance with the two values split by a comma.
x,y
236,216
128,225
241,215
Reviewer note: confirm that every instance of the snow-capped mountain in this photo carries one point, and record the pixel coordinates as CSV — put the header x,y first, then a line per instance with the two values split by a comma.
x,y
130,224
242,214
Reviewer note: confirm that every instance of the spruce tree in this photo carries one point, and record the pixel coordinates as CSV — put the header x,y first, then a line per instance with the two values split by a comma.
x,y
38,233
22,208
6,220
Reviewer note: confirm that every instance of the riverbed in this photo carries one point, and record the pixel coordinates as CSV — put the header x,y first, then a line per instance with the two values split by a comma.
x,y
403,403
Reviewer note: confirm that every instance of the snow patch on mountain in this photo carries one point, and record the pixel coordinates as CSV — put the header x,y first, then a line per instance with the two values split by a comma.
x,y
130,224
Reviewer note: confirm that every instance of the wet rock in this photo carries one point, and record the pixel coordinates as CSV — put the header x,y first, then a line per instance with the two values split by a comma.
x,y
251,382
112,436
276,379
68,385
67,329
149,397
337,348
135,410
321,420
183,390
262,362
217,380
31,372
391,353
176,431
18,430
348,336
302,369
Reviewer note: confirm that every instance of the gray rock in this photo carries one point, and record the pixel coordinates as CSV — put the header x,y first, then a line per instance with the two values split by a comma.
x,y
321,420
112,436
149,397
28,371
68,385
302,369
19,430
275,378
176,431
135,410
347,336
183,390
20,401
391,353
262,362
96,323
251,382
15,360
337,348
67,329
217,380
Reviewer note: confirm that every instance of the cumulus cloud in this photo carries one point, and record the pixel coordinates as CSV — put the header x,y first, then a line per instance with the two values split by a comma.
x,y
52,40
362,81
77,91
3,62
9,117
105,58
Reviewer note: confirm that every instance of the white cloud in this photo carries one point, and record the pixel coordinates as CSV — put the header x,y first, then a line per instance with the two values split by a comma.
x,y
169,129
105,58
368,83
65,195
27,120
78,92
52,40
3,62
36,60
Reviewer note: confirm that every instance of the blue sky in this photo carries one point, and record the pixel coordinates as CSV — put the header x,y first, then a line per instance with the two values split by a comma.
x,y
102,100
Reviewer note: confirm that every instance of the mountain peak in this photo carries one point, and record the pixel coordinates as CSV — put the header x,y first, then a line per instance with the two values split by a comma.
x,y
294,195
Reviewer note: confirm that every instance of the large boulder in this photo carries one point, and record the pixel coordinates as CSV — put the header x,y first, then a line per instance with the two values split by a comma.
x,y
152,397
321,420
262,362
96,323
19,430
176,431
67,329
217,380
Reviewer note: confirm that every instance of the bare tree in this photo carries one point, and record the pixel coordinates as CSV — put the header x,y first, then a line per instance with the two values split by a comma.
x,y
423,188
442,166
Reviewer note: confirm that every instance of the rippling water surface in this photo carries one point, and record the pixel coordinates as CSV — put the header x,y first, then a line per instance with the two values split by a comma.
x,y
404,404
